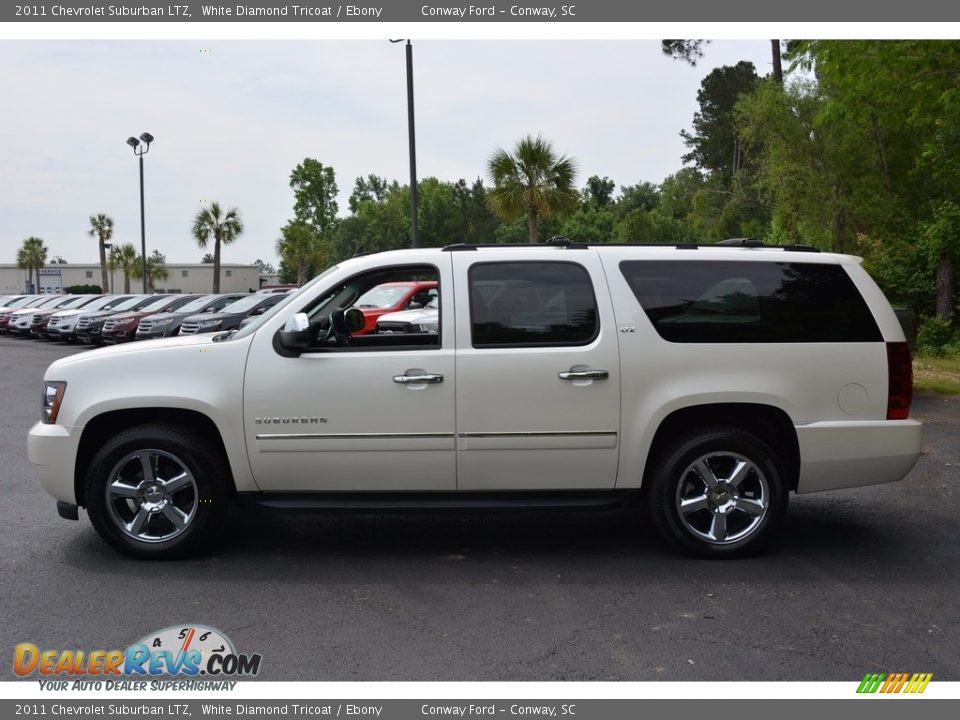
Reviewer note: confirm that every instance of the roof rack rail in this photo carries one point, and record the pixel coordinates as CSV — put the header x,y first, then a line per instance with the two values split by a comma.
x,y
566,243
741,242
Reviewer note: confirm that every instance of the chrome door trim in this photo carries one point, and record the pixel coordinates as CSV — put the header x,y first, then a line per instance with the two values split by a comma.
x,y
352,436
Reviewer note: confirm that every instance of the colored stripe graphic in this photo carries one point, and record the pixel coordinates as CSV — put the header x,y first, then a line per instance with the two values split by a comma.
x,y
894,682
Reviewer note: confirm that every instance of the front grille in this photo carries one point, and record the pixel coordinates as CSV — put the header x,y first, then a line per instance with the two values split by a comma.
x,y
37,318
54,322
189,328
393,328
145,327
83,323
109,325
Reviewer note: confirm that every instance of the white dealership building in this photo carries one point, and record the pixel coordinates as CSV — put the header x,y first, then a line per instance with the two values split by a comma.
x,y
182,278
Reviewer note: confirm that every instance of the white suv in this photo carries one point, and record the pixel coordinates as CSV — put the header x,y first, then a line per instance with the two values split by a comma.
x,y
706,381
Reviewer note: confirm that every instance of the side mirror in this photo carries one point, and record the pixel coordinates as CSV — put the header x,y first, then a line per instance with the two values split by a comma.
x,y
354,320
414,305
295,335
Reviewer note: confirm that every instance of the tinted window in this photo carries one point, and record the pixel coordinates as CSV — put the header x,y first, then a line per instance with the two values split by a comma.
x,y
742,302
531,303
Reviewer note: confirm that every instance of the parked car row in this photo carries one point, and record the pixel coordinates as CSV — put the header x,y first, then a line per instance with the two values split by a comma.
x,y
113,319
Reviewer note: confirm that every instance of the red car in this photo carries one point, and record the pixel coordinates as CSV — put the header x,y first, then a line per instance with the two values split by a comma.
x,y
393,297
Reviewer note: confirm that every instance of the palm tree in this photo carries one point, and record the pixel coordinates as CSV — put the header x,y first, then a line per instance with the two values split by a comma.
x,y
101,226
31,257
225,228
156,269
531,181
300,247
124,257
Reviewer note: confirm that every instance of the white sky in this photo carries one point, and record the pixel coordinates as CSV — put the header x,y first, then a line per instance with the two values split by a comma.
x,y
232,119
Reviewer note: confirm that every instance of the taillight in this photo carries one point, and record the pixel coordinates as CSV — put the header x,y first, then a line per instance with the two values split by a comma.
x,y
900,380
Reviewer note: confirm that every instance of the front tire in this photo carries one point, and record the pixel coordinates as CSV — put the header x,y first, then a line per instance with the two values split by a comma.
x,y
718,492
157,491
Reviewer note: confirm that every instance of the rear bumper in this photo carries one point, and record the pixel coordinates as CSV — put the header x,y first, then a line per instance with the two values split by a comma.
x,y
52,449
837,455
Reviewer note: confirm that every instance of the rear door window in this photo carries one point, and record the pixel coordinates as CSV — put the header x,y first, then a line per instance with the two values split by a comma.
x,y
700,301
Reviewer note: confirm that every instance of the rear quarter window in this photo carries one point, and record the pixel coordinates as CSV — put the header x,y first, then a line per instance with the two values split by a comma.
x,y
700,301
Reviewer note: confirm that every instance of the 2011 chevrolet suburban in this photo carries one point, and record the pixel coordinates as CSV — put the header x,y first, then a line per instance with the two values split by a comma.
x,y
708,382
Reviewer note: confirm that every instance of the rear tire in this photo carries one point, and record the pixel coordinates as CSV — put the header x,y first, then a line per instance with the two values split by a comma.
x,y
157,491
718,492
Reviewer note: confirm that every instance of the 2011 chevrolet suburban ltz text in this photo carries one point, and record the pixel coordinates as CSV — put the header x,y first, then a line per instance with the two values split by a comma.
x,y
708,382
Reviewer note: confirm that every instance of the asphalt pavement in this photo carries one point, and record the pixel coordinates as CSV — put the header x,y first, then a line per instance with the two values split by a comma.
x,y
863,580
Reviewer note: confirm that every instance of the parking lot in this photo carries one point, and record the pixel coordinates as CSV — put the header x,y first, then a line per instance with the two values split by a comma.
x,y
860,581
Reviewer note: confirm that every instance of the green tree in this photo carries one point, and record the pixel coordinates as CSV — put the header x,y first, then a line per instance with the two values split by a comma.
x,y
372,188
715,144
101,227
125,258
476,223
300,248
223,227
207,259
264,268
31,257
533,181
156,269
315,196
690,51
599,191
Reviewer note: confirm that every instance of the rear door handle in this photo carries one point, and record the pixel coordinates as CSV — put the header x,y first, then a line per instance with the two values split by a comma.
x,y
588,374
430,378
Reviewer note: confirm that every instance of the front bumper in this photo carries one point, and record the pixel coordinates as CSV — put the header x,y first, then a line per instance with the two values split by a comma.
x,y
154,334
52,450
837,455
114,338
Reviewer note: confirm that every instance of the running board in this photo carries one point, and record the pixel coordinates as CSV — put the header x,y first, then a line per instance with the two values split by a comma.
x,y
431,501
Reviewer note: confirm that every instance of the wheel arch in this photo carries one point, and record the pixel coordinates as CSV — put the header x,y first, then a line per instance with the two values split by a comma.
x,y
771,424
103,426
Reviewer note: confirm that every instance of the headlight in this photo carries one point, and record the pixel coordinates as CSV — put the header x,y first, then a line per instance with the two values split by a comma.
x,y
429,327
210,323
52,397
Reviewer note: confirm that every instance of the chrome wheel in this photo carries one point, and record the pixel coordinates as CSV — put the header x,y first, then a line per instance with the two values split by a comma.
x,y
151,496
722,498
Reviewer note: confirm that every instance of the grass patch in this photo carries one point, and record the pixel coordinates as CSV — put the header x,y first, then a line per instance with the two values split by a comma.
x,y
937,374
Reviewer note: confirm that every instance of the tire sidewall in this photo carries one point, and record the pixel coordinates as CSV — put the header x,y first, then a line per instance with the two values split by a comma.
x,y
189,449
681,454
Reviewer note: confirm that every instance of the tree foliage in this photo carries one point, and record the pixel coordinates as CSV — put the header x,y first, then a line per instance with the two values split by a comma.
x,y
532,181
124,258
223,227
31,257
101,227
156,269
314,188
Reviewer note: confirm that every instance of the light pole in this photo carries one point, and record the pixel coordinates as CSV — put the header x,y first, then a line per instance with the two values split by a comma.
x,y
141,150
414,230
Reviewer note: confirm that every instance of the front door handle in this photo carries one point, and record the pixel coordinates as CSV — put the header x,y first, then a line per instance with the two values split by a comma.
x,y
588,374
431,378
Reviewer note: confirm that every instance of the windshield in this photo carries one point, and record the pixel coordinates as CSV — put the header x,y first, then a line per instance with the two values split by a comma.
x,y
99,303
20,302
244,304
382,296
76,302
158,304
127,304
55,301
197,305
252,327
